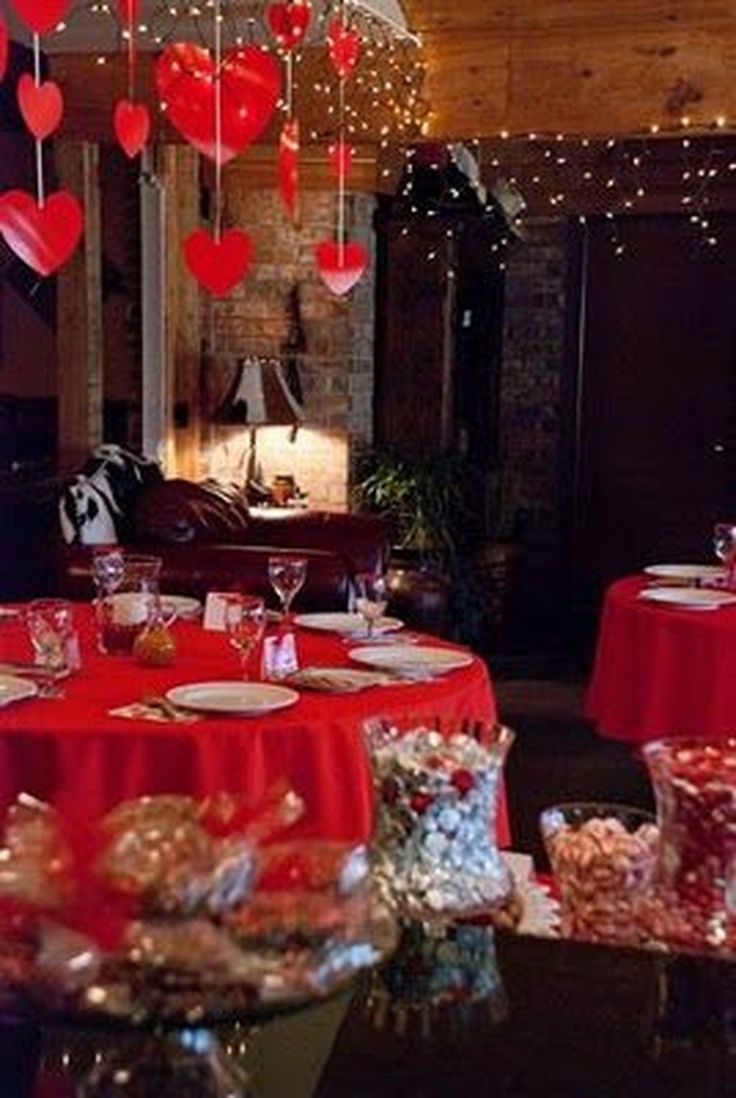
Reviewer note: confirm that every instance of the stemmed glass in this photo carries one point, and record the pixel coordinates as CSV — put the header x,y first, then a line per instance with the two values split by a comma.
x,y
724,544
108,569
287,575
371,598
245,623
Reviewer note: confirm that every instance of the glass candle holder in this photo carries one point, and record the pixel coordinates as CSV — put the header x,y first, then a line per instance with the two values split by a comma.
x,y
123,613
434,849
692,901
602,856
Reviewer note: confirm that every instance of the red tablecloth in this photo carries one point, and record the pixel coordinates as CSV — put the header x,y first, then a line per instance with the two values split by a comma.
x,y
72,749
660,671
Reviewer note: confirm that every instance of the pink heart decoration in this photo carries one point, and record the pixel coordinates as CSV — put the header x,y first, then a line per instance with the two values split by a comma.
x,y
41,105
343,46
288,165
132,124
41,15
43,236
340,267
341,158
251,83
3,47
289,22
218,265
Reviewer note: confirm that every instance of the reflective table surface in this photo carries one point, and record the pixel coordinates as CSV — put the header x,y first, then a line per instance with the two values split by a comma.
x,y
463,1014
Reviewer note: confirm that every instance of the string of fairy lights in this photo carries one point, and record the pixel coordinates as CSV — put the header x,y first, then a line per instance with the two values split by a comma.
x,y
388,83
689,171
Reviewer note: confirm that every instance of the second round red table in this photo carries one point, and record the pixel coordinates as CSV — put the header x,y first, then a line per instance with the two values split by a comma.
x,y
661,670
72,750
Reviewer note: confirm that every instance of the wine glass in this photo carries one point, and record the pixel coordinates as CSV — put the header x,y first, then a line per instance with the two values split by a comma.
x,y
724,544
371,598
245,623
108,569
287,575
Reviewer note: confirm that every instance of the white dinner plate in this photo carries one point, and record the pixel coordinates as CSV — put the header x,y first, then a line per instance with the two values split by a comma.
x,y
349,624
182,605
245,699
688,598
13,688
415,658
685,571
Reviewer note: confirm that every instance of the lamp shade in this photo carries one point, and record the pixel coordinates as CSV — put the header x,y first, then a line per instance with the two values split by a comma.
x,y
260,394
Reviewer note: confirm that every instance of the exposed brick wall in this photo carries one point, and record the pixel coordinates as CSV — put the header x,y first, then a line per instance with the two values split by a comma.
x,y
533,348
337,368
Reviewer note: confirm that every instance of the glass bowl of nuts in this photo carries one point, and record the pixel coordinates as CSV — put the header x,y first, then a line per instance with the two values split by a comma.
x,y
602,857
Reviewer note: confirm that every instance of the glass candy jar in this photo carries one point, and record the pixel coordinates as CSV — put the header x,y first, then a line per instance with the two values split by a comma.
x,y
692,902
434,851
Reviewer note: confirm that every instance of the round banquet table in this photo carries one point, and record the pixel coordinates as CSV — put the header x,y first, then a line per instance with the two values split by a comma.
x,y
71,752
660,670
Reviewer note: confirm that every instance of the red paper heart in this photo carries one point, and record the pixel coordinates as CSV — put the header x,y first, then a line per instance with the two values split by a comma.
x,y
3,47
132,124
341,158
288,167
251,83
289,22
41,15
340,266
43,236
343,46
41,105
218,265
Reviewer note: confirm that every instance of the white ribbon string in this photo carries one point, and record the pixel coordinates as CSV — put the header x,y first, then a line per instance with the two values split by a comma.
x,y
341,177
40,192
218,122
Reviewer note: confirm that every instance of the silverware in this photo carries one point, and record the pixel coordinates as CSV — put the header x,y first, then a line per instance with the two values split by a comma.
x,y
32,670
157,701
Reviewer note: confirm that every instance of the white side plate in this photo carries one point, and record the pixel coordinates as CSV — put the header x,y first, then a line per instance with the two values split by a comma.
x,y
349,624
182,605
685,571
414,658
246,699
690,598
13,688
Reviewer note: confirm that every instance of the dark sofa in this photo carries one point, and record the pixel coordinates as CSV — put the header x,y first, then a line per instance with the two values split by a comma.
x,y
209,539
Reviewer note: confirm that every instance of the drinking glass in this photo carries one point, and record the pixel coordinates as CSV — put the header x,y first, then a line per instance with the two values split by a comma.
x,y
126,609
724,544
371,598
52,634
287,575
245,623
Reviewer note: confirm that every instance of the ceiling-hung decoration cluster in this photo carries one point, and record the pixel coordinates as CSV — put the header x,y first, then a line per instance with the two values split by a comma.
x,y
226,74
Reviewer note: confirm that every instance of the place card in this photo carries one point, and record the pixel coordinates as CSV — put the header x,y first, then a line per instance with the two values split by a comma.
x,y
214,610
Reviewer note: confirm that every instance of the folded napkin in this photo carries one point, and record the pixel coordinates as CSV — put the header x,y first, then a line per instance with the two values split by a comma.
x,y
140,711
337,680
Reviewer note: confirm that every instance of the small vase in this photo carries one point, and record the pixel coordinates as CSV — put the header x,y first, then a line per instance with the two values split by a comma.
x,y
434,851
692,901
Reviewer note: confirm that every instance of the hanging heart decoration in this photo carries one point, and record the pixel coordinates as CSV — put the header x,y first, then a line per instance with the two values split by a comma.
x,y
341,158
3,47
288,165
43,236
340,266
343,46
289,22
41,15
218,264
42,105
132,125
251,84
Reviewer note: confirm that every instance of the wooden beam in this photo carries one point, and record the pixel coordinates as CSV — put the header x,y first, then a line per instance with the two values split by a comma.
x,y
178,171
79,313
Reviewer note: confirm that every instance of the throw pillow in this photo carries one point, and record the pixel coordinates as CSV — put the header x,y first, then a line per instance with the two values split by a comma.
x,y
96,506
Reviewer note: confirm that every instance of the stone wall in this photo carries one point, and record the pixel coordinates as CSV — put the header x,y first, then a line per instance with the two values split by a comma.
x,y
530,412
337,368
